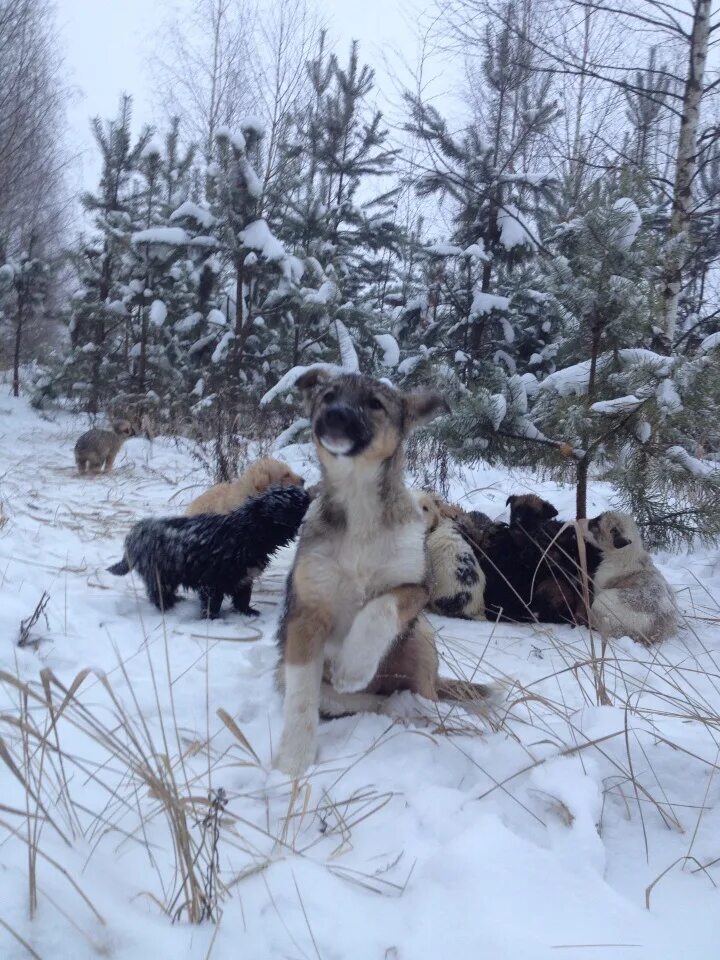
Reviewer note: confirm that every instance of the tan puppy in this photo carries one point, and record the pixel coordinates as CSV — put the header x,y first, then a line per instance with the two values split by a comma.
x,y
226,497
351,633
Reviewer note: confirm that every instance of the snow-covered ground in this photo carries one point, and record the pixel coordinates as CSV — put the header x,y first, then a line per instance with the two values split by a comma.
x,y
573,830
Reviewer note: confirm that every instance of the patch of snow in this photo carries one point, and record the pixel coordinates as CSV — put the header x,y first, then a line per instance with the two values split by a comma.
x,y
444,249
169,236
668,398
288,436
710,343
221,350
618,405
484,303
348,355
391,351
409,364
516,229
158,313
258,236
217,318
623,235
193,211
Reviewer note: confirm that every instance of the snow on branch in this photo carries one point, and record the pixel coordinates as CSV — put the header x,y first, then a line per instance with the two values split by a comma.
x,y
618,405
391,351
287,436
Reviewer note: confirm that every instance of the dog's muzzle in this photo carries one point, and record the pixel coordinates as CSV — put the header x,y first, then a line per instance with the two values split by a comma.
x,y
342,430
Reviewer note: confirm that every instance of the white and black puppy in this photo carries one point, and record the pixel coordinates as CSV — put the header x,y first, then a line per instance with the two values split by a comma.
x,y
632,598
456,582
215,554
352,630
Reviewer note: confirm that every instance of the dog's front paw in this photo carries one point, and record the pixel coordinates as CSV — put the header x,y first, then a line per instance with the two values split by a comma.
x,y
352,670
295,754
247,611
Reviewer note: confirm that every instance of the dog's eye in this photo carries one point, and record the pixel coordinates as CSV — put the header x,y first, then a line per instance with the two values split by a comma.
x,y
329,397
375,404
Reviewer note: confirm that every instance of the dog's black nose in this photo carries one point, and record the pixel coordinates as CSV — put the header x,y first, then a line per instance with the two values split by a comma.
x,y
339,417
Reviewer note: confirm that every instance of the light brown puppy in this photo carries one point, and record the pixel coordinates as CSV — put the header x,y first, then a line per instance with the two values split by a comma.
x,y
351,632
226,497
632,598
96,449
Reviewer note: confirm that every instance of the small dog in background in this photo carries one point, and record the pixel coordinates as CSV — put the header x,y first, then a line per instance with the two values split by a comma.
x,y
456,583
97,449
216,554
259,477
632,598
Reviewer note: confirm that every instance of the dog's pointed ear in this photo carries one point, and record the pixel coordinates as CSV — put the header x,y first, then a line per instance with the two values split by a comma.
x,y
549,511
510,502
422,406
309,382
619,541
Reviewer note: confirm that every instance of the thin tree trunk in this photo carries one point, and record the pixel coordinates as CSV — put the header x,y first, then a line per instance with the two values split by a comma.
x,y
686,163
18,345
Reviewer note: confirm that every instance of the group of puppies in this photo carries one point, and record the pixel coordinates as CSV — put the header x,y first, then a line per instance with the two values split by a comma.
x,y
538,569
372,556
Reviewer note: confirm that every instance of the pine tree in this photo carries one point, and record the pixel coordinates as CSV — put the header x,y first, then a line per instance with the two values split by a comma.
x,y
488,177
623,411
338,150
23,282
99,330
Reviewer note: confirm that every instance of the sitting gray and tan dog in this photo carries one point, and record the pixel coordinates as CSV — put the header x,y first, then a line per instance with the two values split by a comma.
x,y
96,449
352,631
632,598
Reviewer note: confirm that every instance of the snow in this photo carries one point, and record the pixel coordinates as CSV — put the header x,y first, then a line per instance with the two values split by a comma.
x,y
289,379
216,317
348,355
710,343
289,435
391,351
171,236
476,251
618,405
258,236
623,235
254,125
406,367
668,398
486,302
693,465
327,292
444,249
418,834
193,211
158,313
236,139
516,229
570,381
222,348
498,409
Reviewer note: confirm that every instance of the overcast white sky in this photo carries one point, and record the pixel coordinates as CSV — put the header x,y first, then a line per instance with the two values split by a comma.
x,y
108,44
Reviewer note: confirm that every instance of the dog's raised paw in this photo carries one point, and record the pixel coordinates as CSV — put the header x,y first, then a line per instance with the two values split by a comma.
x,y
349,674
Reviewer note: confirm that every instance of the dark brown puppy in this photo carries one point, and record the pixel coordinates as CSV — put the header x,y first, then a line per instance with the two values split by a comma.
x,y
551,555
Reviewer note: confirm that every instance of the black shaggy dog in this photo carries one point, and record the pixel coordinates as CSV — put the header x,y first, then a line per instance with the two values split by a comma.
x,y
215,554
